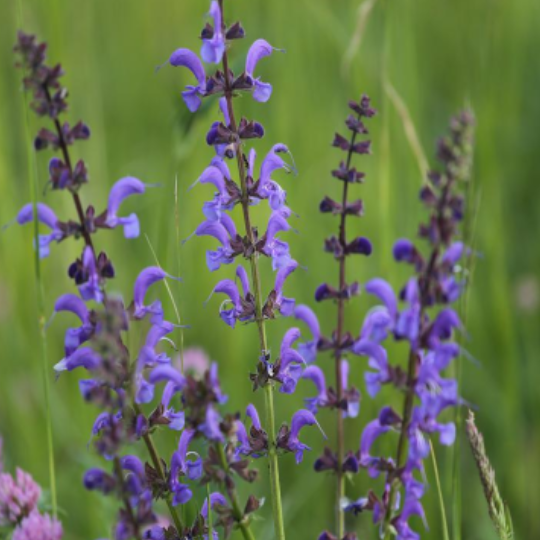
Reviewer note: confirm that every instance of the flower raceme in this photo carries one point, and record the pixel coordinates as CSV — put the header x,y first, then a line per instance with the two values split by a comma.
x,y
429,335
136,395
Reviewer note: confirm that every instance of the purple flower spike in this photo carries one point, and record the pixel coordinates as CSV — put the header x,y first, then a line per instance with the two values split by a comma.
x,y
259,50
212,49
316,375
215,498
124,188
46,216
192,95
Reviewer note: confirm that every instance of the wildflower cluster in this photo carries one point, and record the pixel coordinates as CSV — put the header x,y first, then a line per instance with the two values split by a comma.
x,y
142,395
247,187
122,386
427,324
20,514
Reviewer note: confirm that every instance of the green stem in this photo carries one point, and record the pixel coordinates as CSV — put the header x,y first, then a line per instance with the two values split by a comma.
x,y
446,535
243,524
279,528
32,172
273,466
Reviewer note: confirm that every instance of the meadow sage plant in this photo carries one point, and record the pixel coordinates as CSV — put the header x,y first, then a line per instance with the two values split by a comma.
x,y
427,324
340,396
144,395
251,184
124,387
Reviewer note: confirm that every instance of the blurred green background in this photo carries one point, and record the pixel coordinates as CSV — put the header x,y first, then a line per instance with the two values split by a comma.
x,y
438,56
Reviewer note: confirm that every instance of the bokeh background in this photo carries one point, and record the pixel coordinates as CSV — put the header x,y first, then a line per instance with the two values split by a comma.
x,y
420,61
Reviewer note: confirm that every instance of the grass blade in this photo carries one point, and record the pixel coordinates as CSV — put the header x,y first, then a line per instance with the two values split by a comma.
x,y
40,293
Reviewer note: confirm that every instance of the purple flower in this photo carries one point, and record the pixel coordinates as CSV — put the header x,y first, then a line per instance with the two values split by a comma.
x,y
192,95
408,322
180,466
352,396
167,373
404,251
38,527
74,337
316,375
217,229
215,498
268,188
371,432
84,357
259,50
144,281
288,439
99,480
229,314
19,496
244,446
213,381
212,49
91,288
285,305
404,532
272,247
148,357
308,349
211,426
377,360
252,413
46,216
177,420
124,188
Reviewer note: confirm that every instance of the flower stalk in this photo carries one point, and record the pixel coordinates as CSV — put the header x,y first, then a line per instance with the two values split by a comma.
x,y
273,465
340,330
